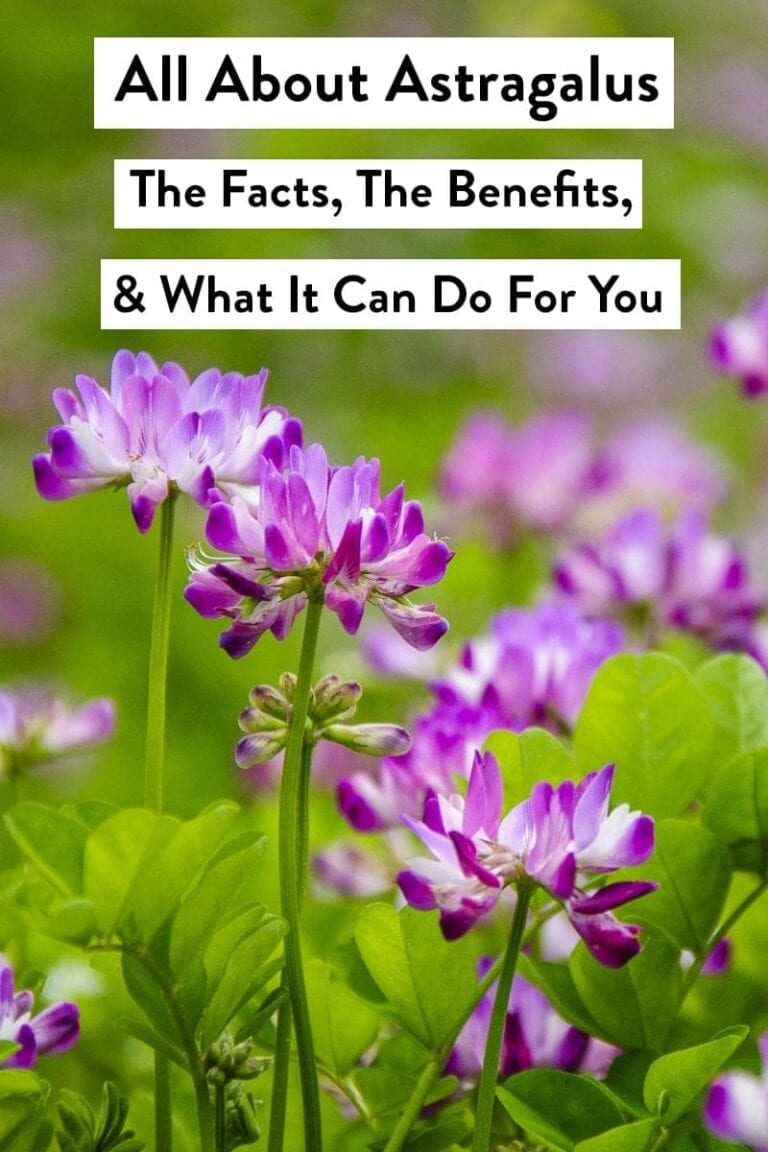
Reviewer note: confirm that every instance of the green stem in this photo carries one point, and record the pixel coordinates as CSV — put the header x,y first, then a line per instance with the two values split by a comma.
x,y
221,1119
292,850
720,935
428,1076
486,1095
158,665
154,763
280,1075
435,1066
163,1111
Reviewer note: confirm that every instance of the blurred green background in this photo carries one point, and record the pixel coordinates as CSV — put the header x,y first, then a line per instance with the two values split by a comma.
x,y
398,396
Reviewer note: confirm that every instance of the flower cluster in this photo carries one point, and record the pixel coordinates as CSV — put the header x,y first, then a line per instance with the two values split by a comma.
x,y
311,530
52,1031
157,433
684,577
559,838
535,1036
37,727
737,1105
532,667
739,346
550,475
532,475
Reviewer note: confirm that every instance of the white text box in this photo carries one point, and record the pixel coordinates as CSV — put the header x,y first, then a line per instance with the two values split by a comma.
x,y
390,294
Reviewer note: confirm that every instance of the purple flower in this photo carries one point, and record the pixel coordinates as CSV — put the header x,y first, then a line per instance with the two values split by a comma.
x,y
652,464
535,1036
52,1031
533,667
739,347
532,475
684,577
737,1105
30,602
320,531
559,837
156,432
37,727
346,870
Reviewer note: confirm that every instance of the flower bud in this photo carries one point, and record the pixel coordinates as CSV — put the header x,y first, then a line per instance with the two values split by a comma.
x,y
369,739
258,747
288,685
335,699
267,699
253,720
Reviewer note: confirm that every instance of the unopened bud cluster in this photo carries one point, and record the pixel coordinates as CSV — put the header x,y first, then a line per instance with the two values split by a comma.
x,y
332,704
226,1061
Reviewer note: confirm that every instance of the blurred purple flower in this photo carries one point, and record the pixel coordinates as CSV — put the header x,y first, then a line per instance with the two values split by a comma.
x,y
54,1030
535,1036
344,869
737,1105
319,531
530,476
558,837
156,432
37,728
652,464
684,577
29,602
389,655
533,667
739,347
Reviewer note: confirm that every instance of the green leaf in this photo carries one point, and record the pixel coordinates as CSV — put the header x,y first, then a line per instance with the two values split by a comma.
x,y
445,1131
7,1048
737,810
647,715
116,855
693,870
246,971
343,1027
527,757
150,997
166,875
635,1137
430,984
633,1006
23,1125
556,982
559,1109
211,898
682,1076
737,689
53,842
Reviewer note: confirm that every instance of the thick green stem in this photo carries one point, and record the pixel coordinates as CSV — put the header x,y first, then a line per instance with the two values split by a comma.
x,y
158,666
280,1075
221,1118
292,849
486,1095
720,935
154,764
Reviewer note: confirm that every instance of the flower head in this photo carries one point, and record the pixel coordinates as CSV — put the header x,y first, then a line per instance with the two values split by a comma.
x,y
532,667
312,530
532,475
52,1031
37,728
685,577
739,346
737,1105
156,432
535,1036
559,838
